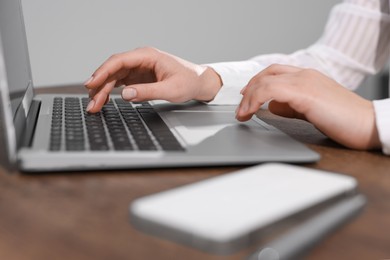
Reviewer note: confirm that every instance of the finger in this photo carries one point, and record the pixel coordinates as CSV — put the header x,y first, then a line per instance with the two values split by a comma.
x,y
263,89
247,109
100,98
107,100
253,99
91,92
244,116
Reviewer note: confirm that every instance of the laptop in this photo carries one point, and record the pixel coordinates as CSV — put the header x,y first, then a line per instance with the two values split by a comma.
x,y
54,133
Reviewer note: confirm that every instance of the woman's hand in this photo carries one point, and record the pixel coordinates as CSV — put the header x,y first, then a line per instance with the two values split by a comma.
x,y
148,74
307,94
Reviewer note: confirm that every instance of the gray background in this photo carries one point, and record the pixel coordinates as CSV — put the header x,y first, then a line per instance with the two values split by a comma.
x,y
69,39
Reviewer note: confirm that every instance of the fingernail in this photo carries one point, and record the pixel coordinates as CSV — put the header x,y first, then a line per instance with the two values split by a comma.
x,y
88,81
129,93
90,105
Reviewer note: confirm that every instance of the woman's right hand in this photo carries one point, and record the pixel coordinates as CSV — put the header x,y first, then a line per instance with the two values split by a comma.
x,y
150,74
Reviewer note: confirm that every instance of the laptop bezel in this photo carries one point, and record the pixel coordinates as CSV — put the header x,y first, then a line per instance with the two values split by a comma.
x,y
14,120
6,118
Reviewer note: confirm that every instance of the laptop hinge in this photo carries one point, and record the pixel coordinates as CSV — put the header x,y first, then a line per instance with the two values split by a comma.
x,y
31,124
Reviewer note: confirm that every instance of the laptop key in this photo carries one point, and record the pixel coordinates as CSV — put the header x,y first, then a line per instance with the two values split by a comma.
x,y
56,125
96,134
134,124
116,128
160,130
74,131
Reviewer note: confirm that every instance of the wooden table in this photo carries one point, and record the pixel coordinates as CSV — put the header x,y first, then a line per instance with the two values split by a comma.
x,y
83,215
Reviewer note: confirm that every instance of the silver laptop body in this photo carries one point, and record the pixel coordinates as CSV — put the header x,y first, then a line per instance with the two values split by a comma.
x,y
206,135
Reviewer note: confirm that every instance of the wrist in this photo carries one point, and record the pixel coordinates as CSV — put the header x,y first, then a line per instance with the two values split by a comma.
x,y
368,138
374,137
210,84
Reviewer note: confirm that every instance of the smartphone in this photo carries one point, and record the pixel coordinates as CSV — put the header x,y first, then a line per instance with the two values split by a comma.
x,y
223,214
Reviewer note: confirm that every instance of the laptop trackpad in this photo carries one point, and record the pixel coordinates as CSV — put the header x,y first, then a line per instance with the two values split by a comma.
x,y
216,130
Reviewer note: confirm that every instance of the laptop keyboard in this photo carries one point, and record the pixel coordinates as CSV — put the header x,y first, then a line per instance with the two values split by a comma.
x,y
120,126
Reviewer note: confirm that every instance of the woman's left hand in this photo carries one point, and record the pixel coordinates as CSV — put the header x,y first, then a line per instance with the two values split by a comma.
x,y
307,94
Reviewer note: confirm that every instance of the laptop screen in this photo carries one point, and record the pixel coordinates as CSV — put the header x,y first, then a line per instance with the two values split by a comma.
x,y
15,53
